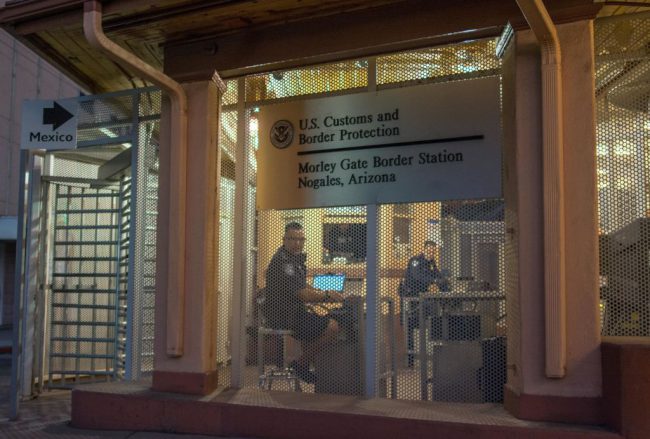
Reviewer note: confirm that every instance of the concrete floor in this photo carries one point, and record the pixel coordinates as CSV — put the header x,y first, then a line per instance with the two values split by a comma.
x,y
48,416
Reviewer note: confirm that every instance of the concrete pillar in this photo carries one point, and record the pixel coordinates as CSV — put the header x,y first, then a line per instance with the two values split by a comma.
x,y
529,393
195,371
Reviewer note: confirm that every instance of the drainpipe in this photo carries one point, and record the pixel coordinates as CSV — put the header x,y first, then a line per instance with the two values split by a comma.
x,y
178,157
554,255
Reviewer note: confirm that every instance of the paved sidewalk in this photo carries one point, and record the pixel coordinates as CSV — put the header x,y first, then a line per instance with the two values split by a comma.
x,y
47,417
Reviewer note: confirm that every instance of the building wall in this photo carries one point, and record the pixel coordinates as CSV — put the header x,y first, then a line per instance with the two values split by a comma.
x,y
23,75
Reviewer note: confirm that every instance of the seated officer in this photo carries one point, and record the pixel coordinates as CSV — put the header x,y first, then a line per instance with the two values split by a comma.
x,y
421,275
286,297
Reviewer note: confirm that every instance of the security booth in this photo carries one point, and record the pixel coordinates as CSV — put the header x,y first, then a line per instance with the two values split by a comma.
x,y
359,174
386,214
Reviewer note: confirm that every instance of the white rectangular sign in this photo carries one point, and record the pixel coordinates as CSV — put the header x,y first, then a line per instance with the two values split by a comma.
x,y
49,124
422,143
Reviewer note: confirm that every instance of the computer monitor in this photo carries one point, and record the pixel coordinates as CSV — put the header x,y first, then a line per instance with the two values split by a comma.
x,y
329,282
346,240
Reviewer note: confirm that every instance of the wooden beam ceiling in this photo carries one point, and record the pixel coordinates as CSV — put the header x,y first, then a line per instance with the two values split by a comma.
x,y
242,33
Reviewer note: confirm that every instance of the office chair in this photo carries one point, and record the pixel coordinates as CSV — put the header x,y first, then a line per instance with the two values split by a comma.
x,y
266,376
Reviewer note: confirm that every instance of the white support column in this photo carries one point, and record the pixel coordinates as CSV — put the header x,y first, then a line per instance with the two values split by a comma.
x,y
530,394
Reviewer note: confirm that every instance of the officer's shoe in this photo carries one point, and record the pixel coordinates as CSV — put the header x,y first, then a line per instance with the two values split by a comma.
x,y
303,372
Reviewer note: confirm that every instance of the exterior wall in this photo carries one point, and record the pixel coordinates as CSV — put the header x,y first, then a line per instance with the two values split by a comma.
x,y
576,397
24,76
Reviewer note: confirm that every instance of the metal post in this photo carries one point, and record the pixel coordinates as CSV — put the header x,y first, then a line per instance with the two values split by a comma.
x,y
30,274
424,389
392,344
242,232
41,330
370,330
137,236
25,162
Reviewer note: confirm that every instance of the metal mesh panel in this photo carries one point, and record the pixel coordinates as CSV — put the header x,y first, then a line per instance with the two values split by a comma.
x,y
111,117
148,302
142,248
323,349
228,145
320,79
441,310
452,297
458,353
230,96
143,252
444,63
622,74
228,141
64,167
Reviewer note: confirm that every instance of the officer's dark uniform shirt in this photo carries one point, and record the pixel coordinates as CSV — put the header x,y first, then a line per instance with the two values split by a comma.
x,y
286,275
420,274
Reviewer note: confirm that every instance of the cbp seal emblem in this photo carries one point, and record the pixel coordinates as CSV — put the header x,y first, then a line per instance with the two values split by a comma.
x,y
282,134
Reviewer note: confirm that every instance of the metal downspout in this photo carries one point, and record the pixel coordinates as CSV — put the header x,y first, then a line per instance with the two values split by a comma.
x,y
544,29
175,288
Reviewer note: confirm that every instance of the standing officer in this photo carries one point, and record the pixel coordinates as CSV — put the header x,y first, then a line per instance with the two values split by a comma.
x,y
286,297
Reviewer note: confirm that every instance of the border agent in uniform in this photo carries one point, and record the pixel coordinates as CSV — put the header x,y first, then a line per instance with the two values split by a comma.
x,y
287,295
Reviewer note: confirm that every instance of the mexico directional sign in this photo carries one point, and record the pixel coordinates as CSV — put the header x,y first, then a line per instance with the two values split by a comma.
x,y
49,124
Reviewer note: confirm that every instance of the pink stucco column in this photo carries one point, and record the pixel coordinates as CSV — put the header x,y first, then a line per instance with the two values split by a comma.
x,y
195,370
529,393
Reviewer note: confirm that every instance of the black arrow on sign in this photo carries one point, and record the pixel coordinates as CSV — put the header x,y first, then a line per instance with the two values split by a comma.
x,y
56,116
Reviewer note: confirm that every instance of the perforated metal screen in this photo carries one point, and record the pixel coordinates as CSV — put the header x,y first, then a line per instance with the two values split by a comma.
x,y
622,91
437,298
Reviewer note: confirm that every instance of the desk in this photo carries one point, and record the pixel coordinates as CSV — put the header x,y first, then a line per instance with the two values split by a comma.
x,y
340,369
484,304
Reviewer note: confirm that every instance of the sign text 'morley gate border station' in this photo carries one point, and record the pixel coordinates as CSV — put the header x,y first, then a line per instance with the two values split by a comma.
x,y
423,143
